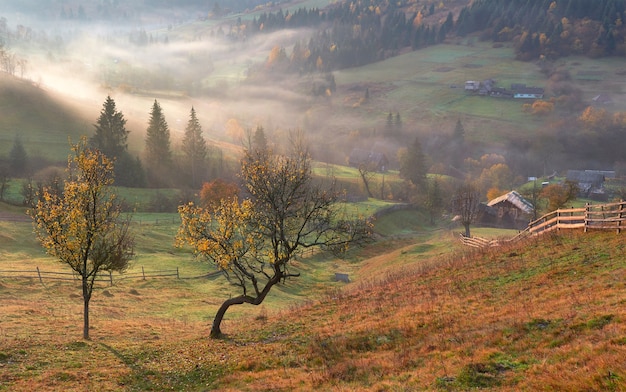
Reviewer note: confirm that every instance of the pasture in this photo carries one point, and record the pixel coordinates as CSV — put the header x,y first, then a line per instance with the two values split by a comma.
x,y
517,318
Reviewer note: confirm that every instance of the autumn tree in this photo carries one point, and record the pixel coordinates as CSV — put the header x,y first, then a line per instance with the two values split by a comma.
x,y
465,204
158,151
82,227
559,194
212,193
254,241
194,146
498,176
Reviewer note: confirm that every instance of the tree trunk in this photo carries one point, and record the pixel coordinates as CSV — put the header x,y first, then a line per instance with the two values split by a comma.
x,y
216,331
467,229
86,298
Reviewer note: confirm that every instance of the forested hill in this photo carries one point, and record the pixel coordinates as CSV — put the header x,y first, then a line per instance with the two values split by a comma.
x,y
549,28
353,33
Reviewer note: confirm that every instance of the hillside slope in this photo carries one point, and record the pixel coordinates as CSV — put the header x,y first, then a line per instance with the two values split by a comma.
x,y
42,121
546,315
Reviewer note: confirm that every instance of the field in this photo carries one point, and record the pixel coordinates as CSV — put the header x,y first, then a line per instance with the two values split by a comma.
x,y
421,313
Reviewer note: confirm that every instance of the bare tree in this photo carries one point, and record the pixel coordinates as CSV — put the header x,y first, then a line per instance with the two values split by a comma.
x,y
367,173
465,204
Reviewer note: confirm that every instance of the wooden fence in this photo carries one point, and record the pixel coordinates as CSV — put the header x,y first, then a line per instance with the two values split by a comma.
x,y
611,216
106,276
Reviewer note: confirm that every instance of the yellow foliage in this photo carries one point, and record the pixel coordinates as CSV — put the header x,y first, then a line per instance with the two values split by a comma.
x,y
417,22
73,225
541,107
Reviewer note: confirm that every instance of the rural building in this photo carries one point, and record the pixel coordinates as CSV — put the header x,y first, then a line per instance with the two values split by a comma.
x,y
528,93
376,161
518,90
472,85
512,210
590,182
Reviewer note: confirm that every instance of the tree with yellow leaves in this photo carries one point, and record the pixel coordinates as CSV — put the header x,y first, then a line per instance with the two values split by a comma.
x,y
81,227
253,242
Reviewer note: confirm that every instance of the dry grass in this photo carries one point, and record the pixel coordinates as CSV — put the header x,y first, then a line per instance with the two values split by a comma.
x,y
546,316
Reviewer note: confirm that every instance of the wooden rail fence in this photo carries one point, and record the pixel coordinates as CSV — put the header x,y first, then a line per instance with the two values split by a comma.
x,y
106,277
611,216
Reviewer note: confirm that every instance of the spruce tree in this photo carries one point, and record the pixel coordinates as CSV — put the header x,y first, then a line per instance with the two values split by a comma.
x,y
194,147
259,141
413,166
158,152
111,135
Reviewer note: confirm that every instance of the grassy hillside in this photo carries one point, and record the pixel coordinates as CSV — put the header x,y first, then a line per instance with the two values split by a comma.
x,y
545,315
40,120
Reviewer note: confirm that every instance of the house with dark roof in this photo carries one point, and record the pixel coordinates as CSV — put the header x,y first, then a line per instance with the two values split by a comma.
x,y
376,161
589,181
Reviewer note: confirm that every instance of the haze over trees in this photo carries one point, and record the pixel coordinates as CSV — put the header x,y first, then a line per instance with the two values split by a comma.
x,y
158,150
111,138
195,149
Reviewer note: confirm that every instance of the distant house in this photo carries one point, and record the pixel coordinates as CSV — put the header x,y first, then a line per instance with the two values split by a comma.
x,y
501,92
472,85
528,93
512,210
486,86
374,160
589,181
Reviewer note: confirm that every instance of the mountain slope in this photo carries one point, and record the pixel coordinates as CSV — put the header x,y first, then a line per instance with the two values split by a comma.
x,y
42,121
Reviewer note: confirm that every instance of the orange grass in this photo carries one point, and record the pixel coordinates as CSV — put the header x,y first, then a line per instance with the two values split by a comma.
x,y
549,314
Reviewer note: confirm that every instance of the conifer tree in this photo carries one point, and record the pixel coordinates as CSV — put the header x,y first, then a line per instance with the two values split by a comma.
x,y
111,135
259,141
158,152
413,165
194,146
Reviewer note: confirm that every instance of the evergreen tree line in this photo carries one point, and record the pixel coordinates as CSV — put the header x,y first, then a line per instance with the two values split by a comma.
x,y
195,163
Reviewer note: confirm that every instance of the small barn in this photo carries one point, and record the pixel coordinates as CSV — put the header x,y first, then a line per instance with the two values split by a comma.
x,y
376,161
512,210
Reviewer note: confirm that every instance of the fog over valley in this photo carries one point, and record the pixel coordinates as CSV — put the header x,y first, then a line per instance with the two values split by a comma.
x,y
348,76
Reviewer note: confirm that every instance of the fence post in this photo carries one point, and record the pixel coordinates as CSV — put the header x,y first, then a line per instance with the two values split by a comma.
x,y
587,208
39,274
143,273
177,275
111,277
621,216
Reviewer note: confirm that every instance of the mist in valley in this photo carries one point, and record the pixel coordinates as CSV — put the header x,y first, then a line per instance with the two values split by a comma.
x,y
201,56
